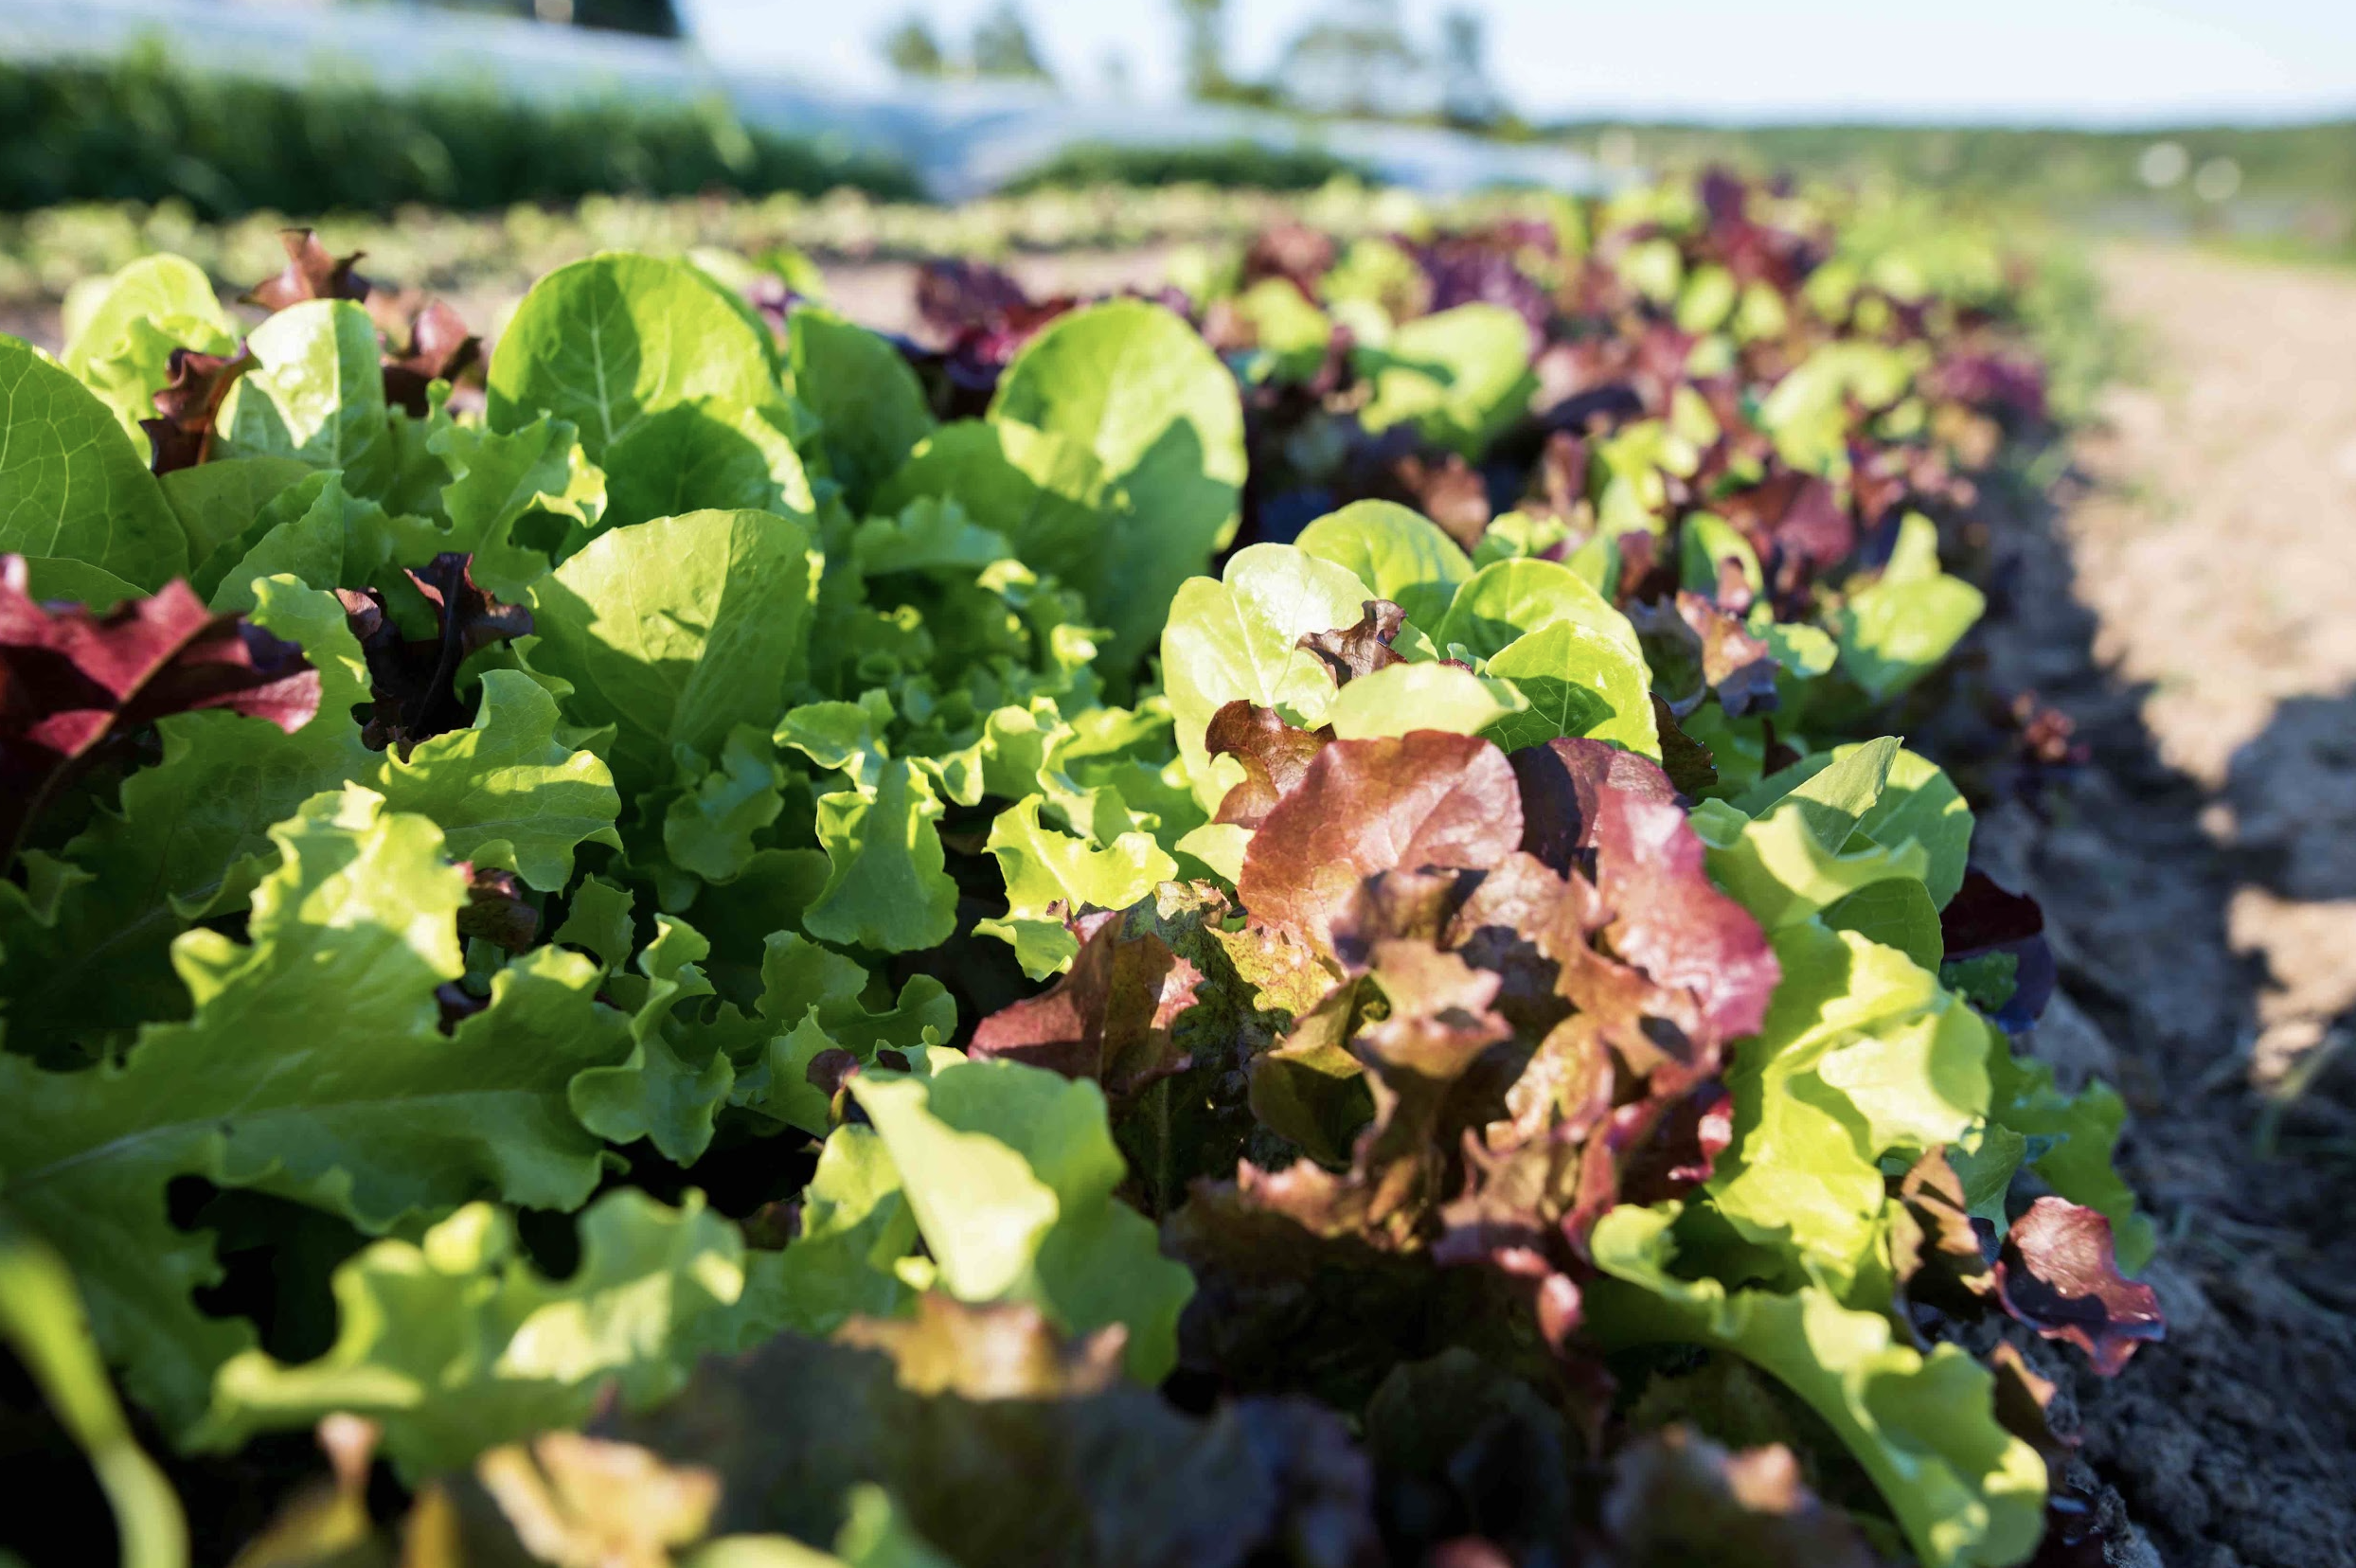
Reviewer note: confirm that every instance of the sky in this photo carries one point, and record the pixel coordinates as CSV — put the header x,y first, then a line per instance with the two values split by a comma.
x,y
2016,61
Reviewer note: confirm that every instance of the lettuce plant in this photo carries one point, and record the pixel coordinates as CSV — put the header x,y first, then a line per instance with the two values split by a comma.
x,y
669,878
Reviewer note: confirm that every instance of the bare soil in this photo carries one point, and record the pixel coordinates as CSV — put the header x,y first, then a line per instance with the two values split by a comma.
x,y
2200,886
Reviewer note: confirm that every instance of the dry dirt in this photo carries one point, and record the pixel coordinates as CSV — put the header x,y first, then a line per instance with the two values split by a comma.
x,y
2199,885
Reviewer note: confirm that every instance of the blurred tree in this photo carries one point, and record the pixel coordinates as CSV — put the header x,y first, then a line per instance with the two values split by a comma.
x,y
1467,97
1356,59
1205,25
911,49
1003,47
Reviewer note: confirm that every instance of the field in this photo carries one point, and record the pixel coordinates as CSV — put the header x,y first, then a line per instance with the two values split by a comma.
x,y
1303,880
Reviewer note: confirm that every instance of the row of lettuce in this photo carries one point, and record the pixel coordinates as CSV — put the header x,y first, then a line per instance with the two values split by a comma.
x,y
1474,1009
498,254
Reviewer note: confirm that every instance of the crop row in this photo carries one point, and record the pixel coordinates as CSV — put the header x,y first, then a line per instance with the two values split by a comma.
x,y
1281,922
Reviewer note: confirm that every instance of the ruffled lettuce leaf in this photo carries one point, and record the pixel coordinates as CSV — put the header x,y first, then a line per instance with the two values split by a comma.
x,y
673,1083
886,888
676,632
1862,1055
1009,1173
500,479
454,1344
191,835
1964,1490
252,1091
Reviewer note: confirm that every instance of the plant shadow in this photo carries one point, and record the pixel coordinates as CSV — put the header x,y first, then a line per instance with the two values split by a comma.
x,y
2230,1442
